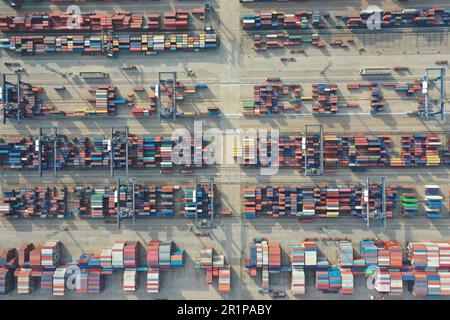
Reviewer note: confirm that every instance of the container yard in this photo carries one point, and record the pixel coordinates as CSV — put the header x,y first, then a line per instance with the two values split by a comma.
x,y
95,203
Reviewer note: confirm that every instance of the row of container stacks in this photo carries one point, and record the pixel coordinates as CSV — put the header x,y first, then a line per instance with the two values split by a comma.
x,y
426,265
266,41
376,97
281,20
214,266
92,44
382,260
47,255
50,202
354,151
94,152
314,201
426,255
418,150
44,263
103,202
105,102
411,17
391,18
393,268
120,21
268,99
150,200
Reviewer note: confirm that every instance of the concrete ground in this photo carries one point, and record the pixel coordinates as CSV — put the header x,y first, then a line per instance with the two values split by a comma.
x,y
230,72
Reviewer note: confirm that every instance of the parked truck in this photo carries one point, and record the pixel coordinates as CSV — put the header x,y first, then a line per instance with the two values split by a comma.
x,y
94,75
375,71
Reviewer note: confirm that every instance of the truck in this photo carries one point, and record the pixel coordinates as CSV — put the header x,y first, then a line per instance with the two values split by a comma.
x,y
94,75
375,71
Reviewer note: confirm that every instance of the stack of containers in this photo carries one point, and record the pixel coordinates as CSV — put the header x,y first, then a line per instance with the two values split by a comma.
x,y
95,281
6,280
363,151
426,255
332,152
166,153
36,202
24,254
329,279
265,280
144,43
38,22
105,100
274,256
311,147
433,201
25,284
345,251
298,281
106,260
9,258
445,152
164,252
369,252
130,280
303,255
419,150
82,281
420,287
177,258
130,259
206,258
347,281
250,202
50,254
225,279
444,279
396,282
190,202
35,256
153,254
59,281
97,205
326,96
308,202
47,282
267,99
178,20
117,256
281,20
383,281
153,281
409,201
